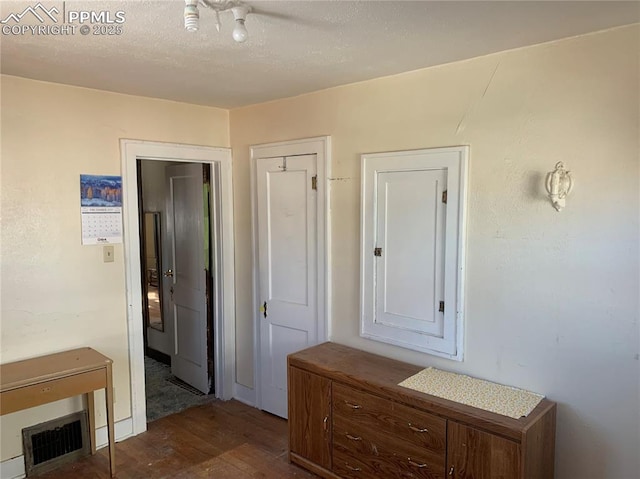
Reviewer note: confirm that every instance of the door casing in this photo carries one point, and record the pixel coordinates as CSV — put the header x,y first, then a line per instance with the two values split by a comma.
x,y
224,279
321,147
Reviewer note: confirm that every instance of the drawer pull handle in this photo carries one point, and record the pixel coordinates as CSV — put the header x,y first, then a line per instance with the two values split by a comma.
x,y
417,429
352,406
416,464
351,468
353,438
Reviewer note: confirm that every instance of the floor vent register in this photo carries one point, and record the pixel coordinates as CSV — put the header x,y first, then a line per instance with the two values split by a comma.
x,y
53,443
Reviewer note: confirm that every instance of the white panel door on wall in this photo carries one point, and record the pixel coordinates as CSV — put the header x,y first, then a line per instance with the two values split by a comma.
x,y
412,249
287,216
188,275
409,275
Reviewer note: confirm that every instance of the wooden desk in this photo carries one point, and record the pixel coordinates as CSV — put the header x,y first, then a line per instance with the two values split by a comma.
x,y
44,379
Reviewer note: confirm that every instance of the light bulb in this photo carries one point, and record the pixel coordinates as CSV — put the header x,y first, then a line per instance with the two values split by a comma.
x,y
191,16
240,32
240,12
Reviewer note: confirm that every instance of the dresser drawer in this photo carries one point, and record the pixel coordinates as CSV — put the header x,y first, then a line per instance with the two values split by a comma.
x,y
48,391
390,418
383,466
380,451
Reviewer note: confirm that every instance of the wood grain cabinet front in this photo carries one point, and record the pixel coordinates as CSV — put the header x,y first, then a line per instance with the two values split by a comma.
x,y
348,418
309,418
474,454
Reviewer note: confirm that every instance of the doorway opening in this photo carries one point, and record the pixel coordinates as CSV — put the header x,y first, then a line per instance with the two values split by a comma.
x,y
176,246
220,294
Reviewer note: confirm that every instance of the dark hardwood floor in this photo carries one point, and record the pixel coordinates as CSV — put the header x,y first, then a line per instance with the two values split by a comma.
x,y
216,440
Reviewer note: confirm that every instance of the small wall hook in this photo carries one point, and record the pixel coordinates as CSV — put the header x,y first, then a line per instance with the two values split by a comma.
x,y
558,184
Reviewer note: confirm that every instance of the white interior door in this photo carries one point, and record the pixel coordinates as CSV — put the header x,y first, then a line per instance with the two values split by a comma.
x,y
409,267
187,275
287,225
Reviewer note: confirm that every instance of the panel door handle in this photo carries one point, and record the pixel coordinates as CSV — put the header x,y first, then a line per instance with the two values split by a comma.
x,y
168,273
351,468
451,471
264,309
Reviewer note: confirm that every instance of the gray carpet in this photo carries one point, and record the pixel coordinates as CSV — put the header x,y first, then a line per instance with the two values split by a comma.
x,y
164,394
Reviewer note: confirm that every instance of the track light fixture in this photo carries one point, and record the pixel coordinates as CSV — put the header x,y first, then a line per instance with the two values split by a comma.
x,y
238,9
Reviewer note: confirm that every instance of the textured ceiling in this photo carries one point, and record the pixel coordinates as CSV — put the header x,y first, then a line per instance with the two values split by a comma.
x,y
294,47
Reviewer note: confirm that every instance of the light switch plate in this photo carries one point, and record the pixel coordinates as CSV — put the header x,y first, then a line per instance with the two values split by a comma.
x,y
107,254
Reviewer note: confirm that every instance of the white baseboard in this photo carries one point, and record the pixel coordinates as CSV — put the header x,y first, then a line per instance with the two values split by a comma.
x,y
14,468
124,429
243,394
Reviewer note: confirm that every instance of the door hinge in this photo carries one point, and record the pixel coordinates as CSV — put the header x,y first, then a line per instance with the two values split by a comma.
x,y
314,182
441,308
444,197
377,252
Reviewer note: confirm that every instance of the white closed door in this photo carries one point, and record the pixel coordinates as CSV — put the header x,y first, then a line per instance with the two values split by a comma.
x,y
409,239
187,275
288,269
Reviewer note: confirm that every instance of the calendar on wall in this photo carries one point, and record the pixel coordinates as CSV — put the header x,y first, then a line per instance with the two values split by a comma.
x,y
101,209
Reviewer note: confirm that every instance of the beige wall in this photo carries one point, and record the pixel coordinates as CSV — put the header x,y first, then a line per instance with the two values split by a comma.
x,y
56,293
552,298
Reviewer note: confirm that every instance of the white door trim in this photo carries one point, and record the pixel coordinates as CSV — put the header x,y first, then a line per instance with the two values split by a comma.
x,y
321,147
224,319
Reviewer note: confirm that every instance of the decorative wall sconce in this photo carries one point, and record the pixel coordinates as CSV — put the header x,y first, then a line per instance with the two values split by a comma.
x,y
559,184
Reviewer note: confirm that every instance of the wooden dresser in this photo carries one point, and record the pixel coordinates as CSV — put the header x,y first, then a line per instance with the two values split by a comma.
x,y
348,418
